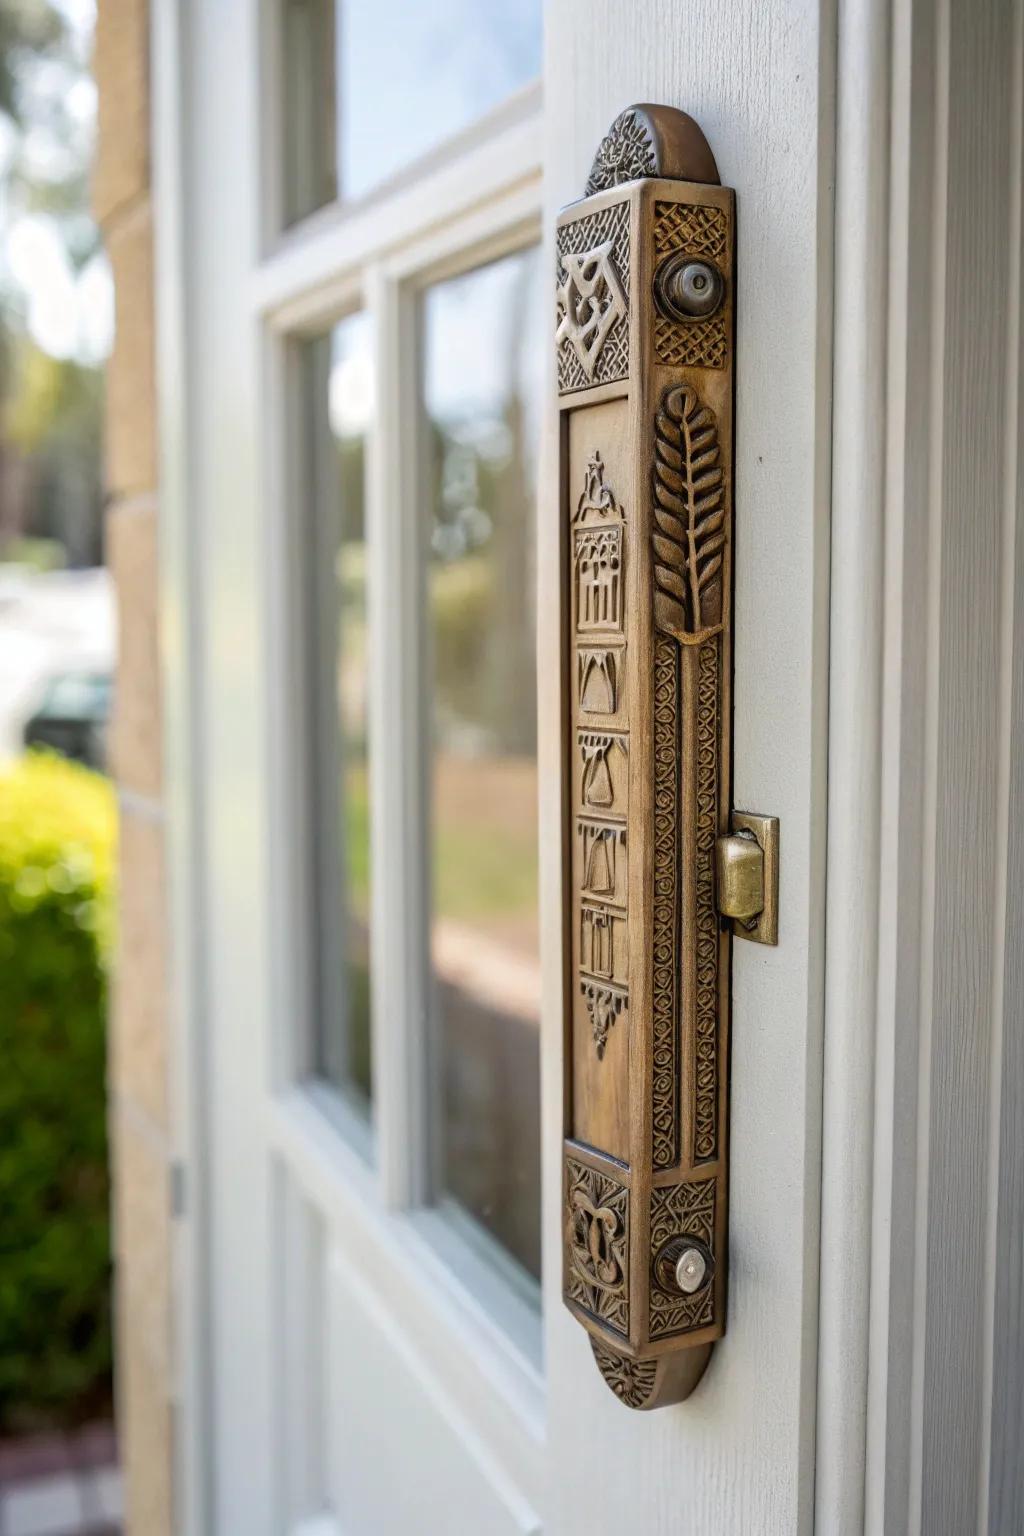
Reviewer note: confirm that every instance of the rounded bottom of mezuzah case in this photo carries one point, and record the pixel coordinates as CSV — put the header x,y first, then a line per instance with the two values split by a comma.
x,y
656,1383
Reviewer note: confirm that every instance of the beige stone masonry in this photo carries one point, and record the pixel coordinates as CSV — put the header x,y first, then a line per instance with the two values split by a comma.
x,y
138,1054
132,554
131,382
121,68
137,1048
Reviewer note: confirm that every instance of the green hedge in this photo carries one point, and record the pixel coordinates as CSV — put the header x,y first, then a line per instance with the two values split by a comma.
x,y
57,850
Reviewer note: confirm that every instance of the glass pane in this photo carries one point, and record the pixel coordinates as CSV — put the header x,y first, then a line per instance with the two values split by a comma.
x,y
310,169
483,346
408,77
342,393
412,75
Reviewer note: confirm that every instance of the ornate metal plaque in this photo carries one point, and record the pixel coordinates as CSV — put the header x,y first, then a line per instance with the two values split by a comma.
x,y
643,326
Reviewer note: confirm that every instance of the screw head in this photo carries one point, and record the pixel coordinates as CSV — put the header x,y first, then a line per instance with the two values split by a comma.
x,y
691,1270
686,289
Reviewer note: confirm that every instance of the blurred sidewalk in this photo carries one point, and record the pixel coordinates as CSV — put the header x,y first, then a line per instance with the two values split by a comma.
x,y
57,621
61,1485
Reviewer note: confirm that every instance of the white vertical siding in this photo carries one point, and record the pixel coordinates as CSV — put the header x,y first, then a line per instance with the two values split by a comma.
x,y
931,1069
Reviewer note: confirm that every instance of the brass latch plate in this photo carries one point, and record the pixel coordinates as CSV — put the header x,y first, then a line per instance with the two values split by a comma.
x,y
747,877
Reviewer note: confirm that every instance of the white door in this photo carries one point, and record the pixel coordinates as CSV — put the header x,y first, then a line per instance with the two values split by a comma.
x,y
362,631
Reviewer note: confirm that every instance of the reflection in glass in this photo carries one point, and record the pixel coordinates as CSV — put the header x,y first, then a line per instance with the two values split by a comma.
x,y
341,376
405,78
482,348
309,164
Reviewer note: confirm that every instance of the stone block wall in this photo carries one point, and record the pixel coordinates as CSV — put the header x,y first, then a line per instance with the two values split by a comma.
x,y
139,1117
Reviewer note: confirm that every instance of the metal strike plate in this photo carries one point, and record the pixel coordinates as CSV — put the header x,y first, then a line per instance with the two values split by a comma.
x,y
747,865
644,337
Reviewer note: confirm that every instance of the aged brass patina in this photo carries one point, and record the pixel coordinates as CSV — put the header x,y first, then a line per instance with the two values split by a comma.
x,y
645,344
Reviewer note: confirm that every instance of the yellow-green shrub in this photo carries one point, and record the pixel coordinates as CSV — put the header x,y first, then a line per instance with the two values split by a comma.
x,y
57,851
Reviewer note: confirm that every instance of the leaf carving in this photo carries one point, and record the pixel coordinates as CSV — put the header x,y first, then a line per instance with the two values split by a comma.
x,y
689,516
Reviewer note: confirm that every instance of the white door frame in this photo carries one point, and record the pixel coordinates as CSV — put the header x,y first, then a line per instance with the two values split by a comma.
x,y
896,700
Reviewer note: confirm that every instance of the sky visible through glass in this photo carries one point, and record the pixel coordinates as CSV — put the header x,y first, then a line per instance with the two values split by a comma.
x,y
411,76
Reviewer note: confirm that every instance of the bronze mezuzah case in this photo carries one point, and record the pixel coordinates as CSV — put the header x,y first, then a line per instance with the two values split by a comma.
x,y
645,348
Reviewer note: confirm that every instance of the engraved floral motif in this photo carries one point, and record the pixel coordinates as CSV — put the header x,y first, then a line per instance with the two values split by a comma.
x,y
632,1381
624,154
689,516
597,1244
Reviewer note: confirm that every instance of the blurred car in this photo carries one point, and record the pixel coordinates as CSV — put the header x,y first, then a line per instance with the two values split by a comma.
x,y
72,715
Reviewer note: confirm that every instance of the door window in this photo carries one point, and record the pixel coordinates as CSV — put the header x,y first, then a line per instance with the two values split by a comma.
x,y
371,85
406,353
481,351
339,383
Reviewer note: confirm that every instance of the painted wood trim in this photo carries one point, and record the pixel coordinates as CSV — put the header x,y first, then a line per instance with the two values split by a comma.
x,y
472,1356
338,241
180,559
855,639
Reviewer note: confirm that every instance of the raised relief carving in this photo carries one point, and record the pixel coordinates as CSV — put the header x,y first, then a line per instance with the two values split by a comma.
x,y
590,302
597,1244
645,441
632,1381
597,553
602,860
700,344
603,948
695,228
597,499
592,299
597,674
681,1210
705,1131
604,1004
665,942
689,516
604,784
597,558
697,231
625,154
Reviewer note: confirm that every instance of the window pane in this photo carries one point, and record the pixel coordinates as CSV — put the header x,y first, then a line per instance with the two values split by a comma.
x,y
341,366
482,350
408,77
412,75
309,165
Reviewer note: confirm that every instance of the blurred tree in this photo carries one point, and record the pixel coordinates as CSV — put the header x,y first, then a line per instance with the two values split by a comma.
x,y
50,406
27,27
54,421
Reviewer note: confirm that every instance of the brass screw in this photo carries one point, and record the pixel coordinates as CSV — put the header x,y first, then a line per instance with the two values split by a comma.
x,y
686,288
691,1269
